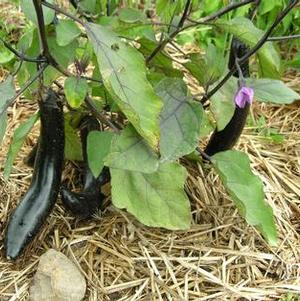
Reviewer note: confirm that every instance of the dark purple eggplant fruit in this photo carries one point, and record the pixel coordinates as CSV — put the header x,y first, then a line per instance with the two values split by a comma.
x,y
42,193
228,137
84,204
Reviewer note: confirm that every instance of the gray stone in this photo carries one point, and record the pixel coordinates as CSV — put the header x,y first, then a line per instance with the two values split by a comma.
x,y
57,279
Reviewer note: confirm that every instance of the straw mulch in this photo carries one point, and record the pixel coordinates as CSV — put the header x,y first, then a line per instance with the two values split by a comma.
x,y
219,258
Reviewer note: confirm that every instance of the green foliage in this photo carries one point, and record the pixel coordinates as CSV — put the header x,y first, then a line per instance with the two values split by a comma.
x,y
73,150
66,32
29,11
245,30
273,91
7,91
160,121
17,141
266,132
246,190
156,199
167,9
123,71
76,89
98,147
130,151
222,103
161,63
180,120
207,69
5,55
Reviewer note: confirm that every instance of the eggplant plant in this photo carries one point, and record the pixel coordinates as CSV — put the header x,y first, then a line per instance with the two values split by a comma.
x,y
108,61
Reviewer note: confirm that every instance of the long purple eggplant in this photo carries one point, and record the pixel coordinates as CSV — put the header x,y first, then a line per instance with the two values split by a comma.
x,y
228,137
42,193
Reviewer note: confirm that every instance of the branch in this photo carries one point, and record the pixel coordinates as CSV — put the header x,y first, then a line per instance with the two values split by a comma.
x,y
43,38
9,102
99,115
41,27
222,12
63,12
203,154
164,42
185,13
258,45
21,56
202,21
283,38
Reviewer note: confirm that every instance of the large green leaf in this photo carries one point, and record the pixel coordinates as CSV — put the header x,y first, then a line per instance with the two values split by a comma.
x,y
125,28
273,91
131,152
75,89
66,32
123,70
222,103
161,63
98,147
180,120
7,91
29,11
245,30
246,190
156,199
18,139
207,68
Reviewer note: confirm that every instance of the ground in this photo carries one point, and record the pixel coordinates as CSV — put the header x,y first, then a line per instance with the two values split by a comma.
x,y
219,258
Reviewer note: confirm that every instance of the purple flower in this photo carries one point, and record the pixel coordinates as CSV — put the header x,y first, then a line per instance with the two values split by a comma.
x,y
243,96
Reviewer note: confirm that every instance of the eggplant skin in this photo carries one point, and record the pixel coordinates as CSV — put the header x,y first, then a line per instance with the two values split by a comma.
x,y
228,137
85,203
42,193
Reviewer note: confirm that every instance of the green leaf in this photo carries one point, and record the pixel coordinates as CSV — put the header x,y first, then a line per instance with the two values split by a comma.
x,y
243,28
66,32
246,190
180,120
161,63
18,139
131,152
75,89
167,9
209,68
29,11
124,73
295,63
206,126
73,147
98,146
222,103
88,5
63,55
157,199
3,125
131,15
130,30
5,55
7,91
272,91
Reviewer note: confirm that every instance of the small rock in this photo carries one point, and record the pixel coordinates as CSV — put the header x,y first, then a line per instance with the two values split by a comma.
x,y
57,279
